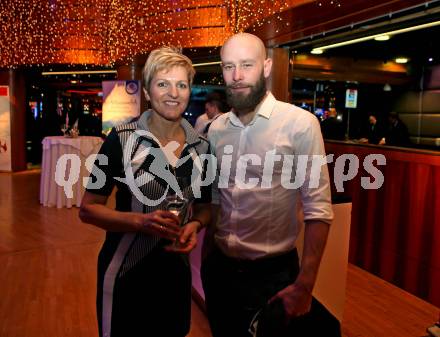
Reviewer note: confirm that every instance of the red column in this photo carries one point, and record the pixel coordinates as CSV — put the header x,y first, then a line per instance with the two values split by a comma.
x,y
17,93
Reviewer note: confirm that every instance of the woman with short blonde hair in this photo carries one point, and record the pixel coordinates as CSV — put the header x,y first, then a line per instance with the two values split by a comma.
x,y
144,278
166,58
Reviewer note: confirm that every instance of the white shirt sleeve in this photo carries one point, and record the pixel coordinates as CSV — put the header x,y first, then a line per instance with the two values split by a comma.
x,y
315,192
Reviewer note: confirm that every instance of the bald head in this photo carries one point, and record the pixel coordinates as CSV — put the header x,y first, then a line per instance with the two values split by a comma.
x,y
251,43
248,50
245,70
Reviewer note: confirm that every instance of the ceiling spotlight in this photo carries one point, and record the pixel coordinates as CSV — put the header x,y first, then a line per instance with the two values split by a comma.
x,y
317,51
430,59
401,60
387,87
382,37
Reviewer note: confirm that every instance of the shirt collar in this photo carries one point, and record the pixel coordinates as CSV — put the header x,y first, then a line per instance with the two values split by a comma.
x,y
191,136
263,109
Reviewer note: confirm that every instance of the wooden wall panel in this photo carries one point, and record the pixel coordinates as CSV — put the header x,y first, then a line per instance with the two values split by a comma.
x,y
278,83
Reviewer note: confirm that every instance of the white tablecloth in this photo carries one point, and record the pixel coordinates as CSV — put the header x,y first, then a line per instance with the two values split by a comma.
x,y
51,194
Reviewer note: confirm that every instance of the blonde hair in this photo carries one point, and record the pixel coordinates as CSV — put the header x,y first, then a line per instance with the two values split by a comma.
x,y
165,58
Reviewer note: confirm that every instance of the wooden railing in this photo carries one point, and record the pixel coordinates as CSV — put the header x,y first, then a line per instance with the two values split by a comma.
x,y
395,229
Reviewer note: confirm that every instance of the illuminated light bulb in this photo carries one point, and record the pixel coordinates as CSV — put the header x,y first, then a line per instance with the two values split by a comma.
x,y
401,60
382,37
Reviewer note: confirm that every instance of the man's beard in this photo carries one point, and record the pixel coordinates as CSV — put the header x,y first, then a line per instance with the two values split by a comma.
x,y
242,102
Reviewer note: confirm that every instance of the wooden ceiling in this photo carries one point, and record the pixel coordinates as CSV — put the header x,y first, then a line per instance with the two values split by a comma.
x,y
102,32
316,19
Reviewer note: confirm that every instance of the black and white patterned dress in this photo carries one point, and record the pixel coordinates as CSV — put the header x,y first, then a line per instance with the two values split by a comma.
x,y
143,290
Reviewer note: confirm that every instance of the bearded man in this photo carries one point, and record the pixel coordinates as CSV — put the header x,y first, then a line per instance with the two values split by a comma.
x,y
252,271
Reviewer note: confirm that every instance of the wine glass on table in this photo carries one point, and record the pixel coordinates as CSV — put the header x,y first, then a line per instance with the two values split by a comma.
x,y
64,128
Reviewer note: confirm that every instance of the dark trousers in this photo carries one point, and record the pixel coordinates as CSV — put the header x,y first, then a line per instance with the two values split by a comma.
x,y
235,290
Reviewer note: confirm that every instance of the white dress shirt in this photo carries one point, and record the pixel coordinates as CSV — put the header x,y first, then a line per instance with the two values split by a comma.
x,y
201,123
261,215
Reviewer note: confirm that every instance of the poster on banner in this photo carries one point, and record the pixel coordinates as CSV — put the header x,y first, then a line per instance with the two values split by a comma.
x,y
121,103
351,97
5,129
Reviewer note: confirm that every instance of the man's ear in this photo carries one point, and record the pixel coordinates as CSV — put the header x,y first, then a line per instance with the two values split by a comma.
x,y
146,94
267,67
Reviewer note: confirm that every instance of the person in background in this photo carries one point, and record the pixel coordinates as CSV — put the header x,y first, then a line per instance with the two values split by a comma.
x,y
375,132
144,281
332,127
213,108
397,134
252,267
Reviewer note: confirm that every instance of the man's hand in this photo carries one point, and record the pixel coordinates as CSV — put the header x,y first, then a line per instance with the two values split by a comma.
x,y
297,297
297,300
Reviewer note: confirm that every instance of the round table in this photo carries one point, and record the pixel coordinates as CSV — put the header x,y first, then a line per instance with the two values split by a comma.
x,y
78,149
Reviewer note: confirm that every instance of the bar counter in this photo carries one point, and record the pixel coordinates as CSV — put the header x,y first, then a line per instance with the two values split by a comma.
x,y
395,229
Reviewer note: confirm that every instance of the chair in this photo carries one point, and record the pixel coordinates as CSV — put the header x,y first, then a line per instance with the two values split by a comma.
x,y
332,275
